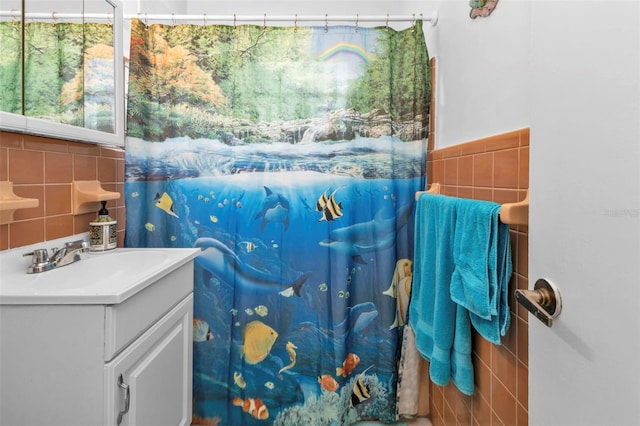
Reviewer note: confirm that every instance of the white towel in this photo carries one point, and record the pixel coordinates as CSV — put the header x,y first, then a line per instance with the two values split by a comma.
x,y
408,391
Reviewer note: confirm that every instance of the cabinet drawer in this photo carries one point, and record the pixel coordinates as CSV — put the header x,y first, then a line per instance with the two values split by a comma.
x,y
129,319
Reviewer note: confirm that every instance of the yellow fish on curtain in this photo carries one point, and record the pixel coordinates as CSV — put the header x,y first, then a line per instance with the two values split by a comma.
x,y
290,157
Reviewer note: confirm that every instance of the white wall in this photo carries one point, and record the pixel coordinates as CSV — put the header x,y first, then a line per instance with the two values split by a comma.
x,y
483,71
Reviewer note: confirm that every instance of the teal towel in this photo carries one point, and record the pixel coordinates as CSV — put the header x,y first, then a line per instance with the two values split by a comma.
x,y
482,257
442,328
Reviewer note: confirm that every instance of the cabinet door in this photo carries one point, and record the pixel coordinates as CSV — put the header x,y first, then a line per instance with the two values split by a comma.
x,y
154,374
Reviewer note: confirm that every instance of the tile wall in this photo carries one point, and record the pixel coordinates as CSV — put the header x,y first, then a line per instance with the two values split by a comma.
x,y
44,168
493,169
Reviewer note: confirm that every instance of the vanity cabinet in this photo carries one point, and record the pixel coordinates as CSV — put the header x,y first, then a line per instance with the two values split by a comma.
x,y
97,364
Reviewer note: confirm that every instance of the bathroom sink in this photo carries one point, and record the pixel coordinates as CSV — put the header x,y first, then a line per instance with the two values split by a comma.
x,y
99,271
105,277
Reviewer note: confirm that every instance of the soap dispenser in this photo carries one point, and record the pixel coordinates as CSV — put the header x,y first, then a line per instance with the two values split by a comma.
x,y
102,232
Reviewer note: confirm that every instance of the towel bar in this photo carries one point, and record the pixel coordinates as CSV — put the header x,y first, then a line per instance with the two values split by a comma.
x,y
510,213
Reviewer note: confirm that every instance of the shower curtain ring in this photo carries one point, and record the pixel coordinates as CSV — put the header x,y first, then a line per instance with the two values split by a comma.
x,y
386,25
234,21
295,23
413,23
264,22
204,20
53,17
173,19
326,22
357,18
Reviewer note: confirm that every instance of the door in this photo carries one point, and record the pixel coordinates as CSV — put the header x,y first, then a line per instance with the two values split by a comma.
x,y
149,383
584,231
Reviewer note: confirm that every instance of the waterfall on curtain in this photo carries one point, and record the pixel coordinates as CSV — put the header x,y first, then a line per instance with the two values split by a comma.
x,y
290,156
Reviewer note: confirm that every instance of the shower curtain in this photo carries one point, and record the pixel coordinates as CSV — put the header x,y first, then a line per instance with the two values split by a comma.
x,y
290,157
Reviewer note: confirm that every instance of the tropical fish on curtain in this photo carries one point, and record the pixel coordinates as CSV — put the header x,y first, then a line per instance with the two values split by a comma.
x,y
290,157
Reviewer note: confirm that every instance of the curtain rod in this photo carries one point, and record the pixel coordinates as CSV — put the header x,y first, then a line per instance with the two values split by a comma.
x,y
325,19
204,18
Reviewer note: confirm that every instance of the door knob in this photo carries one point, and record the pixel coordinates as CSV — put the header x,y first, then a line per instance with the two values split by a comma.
x,y
543,301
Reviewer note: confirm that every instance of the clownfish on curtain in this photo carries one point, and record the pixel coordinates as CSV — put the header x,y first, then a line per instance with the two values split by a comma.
x,y
290,157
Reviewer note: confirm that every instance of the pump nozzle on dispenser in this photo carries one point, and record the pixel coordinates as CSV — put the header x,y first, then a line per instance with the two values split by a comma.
x,y
103,211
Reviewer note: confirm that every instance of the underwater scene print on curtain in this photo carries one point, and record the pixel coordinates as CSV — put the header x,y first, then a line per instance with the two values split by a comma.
x,y
290,157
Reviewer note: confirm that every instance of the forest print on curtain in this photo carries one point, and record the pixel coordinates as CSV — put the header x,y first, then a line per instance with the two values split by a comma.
x,y
290,157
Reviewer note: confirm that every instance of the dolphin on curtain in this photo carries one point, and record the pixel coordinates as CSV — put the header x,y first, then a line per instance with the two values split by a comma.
x,y
216,257
275,208
357,319
365,237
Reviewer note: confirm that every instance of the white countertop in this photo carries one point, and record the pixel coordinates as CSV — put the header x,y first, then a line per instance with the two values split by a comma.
x,y
98,278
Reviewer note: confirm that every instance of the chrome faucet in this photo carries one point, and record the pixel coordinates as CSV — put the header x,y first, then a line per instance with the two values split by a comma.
x,y
42,262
